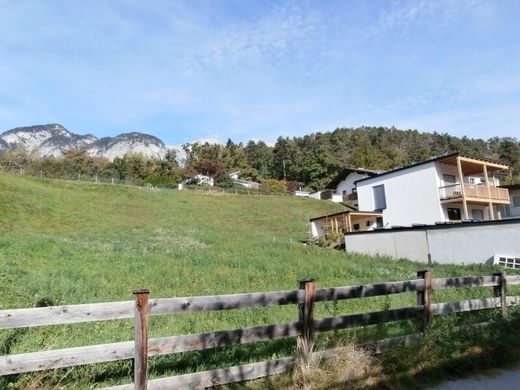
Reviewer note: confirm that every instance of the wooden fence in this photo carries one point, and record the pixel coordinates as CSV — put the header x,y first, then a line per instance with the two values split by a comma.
x,y
305,297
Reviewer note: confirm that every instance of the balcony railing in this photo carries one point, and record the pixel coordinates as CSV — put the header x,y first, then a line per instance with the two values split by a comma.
x,y
350,197
473,191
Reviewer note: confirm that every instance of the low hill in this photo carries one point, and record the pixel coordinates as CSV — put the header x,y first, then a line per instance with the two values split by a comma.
x,y
68,243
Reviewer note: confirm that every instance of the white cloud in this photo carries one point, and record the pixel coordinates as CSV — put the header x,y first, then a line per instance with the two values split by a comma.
x,y
207,70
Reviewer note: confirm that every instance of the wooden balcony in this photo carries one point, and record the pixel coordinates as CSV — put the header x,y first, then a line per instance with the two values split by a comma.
x,y
473,191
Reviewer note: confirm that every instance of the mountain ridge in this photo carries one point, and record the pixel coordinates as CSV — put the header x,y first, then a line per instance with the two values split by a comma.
x,y
53,139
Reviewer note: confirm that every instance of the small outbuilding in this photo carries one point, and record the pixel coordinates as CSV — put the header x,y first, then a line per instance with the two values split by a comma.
x,y
345,222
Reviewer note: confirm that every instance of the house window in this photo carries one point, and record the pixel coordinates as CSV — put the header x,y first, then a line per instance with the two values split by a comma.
x,y
379,197
477,214
507,261
515,200
454,214
448,179
356,226
505,210
379,222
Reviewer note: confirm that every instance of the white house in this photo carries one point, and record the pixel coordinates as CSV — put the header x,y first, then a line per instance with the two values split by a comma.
x,y
454,187
342,188
234,176
512,210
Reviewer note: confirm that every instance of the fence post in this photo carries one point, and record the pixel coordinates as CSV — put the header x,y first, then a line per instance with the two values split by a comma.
x,y
304,342
141,339
424,298
501,292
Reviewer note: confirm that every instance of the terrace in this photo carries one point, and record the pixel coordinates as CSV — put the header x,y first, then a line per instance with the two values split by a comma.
x,y
473,181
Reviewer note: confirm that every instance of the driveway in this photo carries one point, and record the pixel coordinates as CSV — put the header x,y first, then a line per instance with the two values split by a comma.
x,y
500,379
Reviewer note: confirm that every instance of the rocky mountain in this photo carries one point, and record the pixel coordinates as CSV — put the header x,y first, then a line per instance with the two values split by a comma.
x,y
110,147
54,139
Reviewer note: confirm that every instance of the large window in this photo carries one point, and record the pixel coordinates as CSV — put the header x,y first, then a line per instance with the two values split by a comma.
x,y
515,200
379,197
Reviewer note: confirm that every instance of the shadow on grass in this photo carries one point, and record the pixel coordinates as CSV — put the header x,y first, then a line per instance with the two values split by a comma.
x,y
447,355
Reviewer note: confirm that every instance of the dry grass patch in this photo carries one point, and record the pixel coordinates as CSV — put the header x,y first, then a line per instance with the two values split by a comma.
x,y
347,367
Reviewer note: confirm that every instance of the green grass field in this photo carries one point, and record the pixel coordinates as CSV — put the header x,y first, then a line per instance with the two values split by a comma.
x,y
70,243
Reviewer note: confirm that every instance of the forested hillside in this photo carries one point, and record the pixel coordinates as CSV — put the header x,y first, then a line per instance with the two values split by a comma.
x,y
315,158
311,160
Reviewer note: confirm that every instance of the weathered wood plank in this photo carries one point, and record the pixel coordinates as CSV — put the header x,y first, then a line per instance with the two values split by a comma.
x,y
195,342
251,371
217,377
513,280
466,305
69,357
304,343
368,290
500,291
472,328
513,300
45,360
165,306
55,315
465,282
141,339
379,346
361,319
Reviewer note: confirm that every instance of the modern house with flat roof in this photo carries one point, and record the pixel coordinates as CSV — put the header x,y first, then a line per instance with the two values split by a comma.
x,y
454,187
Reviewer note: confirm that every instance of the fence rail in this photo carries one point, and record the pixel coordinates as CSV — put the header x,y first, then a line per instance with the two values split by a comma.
x,y
305,297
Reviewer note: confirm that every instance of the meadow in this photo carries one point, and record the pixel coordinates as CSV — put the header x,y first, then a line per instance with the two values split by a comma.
x,y
63,242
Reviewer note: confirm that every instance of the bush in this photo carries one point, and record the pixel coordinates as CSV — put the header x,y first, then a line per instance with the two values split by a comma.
x,y
273,185
223,180
330,240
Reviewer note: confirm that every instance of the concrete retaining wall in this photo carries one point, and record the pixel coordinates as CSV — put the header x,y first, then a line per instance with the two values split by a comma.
x,y
456,244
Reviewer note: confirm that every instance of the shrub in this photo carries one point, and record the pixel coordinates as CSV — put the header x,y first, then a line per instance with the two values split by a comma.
x,y
273,185
223,180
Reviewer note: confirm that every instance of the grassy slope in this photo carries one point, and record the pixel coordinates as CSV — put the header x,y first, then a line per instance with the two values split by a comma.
x,y
67,243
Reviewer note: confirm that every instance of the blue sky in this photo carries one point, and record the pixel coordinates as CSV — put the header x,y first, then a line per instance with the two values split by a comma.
x,y
250,69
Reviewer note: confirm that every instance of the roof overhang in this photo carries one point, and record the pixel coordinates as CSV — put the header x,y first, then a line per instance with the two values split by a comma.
x,y
473,165
345,172
354,214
